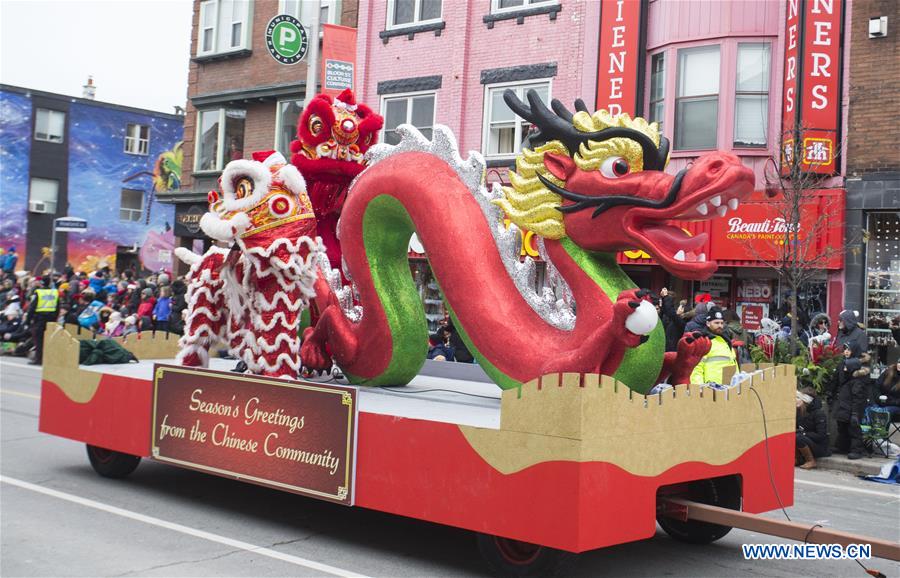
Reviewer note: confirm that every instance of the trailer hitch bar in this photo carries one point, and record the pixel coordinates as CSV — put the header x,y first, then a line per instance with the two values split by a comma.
x,y
684,510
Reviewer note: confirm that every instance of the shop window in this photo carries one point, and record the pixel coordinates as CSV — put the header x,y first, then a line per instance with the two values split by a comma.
x,y
224,26
412,12
658,89
220,138
137,139
883,276
697,99
504,131
751,96
131,205
289,112
414,109
49,125
502,5
43,195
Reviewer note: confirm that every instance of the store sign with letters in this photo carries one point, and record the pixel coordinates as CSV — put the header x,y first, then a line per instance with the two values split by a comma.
x,y
621,56
755,291
752,315
758,231
338,59
290,435
812,83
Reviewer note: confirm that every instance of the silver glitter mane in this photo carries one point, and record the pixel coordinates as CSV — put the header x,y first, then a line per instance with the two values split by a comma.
x,y
471,171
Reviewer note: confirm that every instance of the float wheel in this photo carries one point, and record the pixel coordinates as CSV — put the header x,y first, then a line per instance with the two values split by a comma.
x,y
723,492
508,557
110,463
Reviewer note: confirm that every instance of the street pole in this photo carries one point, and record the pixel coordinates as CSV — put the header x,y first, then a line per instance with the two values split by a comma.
x,y
53,248
312,58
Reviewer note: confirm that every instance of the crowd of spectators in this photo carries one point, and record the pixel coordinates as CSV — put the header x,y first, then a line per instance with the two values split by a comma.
x,y
103,302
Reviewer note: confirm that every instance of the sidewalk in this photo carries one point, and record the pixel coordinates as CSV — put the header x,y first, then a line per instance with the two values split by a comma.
x,y
860,467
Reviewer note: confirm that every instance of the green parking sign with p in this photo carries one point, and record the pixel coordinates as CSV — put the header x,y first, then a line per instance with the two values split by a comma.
x,y
286,39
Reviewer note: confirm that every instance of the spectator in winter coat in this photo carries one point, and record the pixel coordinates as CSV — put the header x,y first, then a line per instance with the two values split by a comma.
x,y
847,397
442,350
13,328
179,304
8,265
145,309
812,429
850,333
162,311
889,388
698,323
115,327
671,316
130,323
97,282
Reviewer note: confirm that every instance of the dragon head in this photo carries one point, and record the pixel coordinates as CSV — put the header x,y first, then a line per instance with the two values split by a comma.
x,y
260,198
598,179
333,137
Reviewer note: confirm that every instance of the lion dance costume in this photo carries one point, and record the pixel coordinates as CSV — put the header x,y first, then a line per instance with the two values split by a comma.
x,y
333,136
250,297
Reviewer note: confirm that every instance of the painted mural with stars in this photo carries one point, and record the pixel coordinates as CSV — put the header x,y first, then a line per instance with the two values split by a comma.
x,y
115,190
15,150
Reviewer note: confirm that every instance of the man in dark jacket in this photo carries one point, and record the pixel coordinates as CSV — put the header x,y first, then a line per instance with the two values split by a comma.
x,y
812,429
698,323
849,333
848,398
673,323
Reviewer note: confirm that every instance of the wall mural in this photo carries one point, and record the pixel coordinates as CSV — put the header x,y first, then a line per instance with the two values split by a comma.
x,y
15,145
98,171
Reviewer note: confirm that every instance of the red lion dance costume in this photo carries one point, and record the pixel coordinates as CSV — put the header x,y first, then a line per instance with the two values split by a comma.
x,y
250,297
333,137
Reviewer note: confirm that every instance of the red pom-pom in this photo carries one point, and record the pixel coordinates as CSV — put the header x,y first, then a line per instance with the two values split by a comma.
x,y
347,97
212,197
261,156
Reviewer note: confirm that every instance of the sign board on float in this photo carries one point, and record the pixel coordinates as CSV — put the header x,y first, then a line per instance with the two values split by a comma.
x,y
290,435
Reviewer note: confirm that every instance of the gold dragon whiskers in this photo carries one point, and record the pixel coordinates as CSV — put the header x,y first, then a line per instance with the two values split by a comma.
x,y
527,202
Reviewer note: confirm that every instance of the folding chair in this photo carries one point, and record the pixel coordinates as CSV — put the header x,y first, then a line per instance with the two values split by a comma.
x,y
876,429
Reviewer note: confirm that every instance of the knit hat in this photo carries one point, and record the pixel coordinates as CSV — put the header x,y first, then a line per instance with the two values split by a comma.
x,y
714,313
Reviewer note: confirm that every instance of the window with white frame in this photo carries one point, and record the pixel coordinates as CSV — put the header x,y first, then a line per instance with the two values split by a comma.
x,y
415,109
658,89
224,26
502,5
220,138
329,10
49,125
131,205
137,139
412,12
504,131
751,95
697,98
43,195
289,112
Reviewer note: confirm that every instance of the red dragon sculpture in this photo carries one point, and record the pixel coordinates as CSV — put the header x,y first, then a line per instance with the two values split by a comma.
x,y
333,136
250,296
590,186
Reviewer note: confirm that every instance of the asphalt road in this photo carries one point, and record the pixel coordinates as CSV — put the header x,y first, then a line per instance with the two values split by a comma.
x,y
58,518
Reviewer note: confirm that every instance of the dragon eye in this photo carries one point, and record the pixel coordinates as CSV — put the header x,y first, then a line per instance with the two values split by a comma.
x,y
315,125
615,167
243,188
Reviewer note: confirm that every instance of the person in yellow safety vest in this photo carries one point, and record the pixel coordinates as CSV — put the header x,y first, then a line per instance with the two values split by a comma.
x,y
43,309
721,352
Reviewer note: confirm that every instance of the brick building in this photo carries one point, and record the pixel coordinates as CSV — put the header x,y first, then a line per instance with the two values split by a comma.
x,y
240,99
872,272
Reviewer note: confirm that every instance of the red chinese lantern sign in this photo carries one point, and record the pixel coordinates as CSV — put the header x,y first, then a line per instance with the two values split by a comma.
x,y
620,57
811,103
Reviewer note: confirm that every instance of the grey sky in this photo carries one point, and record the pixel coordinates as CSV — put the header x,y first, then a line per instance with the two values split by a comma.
x,y
137,50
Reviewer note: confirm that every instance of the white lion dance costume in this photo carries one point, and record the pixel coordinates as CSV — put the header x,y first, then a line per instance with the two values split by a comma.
x,y
250,297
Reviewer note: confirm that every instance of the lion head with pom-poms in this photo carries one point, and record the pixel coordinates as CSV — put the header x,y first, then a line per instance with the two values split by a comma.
x,y
333,136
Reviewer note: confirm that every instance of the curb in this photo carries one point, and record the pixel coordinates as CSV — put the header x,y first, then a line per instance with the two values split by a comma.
x,y
860,467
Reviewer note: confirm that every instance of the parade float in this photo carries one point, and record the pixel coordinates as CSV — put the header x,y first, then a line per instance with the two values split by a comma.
x,y
552,444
